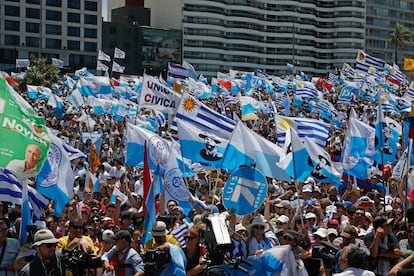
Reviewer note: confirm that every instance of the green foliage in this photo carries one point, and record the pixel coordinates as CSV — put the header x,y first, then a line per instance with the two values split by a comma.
x,y
400,38
40,73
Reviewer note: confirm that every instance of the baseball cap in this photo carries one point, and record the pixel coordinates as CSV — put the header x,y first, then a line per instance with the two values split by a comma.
x,y
283,219
108,236
284,204
321,232
307,188
159,229
44,236
310,216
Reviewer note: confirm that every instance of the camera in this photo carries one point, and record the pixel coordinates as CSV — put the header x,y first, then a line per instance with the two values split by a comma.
x,y
326,252
79,260
156,260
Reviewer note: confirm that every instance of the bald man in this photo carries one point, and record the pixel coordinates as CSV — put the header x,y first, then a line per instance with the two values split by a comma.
x,y
26,168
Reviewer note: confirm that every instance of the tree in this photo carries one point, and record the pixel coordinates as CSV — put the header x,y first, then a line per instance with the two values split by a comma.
x,y
40,73
400,38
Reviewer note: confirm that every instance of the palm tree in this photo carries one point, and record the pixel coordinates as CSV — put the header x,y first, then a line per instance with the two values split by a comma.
x,y
400,38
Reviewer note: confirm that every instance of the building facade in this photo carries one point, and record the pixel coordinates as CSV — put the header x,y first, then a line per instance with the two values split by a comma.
x,y
70,30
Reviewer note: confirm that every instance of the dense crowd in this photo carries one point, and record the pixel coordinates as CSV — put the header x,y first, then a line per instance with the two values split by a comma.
x,y
366,228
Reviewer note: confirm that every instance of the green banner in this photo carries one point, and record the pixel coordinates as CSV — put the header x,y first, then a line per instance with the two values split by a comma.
x,y
24,141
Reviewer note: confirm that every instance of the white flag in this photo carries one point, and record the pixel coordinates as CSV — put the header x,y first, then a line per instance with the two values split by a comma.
x,y
57,62
103,56
119,53
117,68
101,66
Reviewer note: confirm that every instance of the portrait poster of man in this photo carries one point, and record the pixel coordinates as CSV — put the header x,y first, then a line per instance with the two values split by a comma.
x,y
24,141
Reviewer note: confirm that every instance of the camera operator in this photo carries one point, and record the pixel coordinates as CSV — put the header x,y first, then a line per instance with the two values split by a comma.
x,y
352,261
194,252
123,259
160,242
45,262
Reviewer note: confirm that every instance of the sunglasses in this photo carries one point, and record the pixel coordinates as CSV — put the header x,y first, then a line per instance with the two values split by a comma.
x,y
189,238
261,227
50,245
280,223
78,227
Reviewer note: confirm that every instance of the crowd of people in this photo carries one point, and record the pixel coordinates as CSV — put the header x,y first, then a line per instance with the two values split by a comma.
x,y
359,230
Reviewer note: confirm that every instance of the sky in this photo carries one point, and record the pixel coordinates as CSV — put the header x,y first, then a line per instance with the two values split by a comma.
x,y
104,9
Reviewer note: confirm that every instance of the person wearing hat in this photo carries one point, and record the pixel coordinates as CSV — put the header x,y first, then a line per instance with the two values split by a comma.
x,y
45,262
282,222
162,241
315,266
75,238
257,240
160,238
238,240
122,258
383,246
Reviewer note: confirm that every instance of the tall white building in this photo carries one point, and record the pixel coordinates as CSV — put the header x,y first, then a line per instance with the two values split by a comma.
x,y
70,30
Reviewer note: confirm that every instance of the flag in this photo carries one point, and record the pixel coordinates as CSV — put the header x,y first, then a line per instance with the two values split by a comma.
x,y
76,99
158,96
23,135
159,148
324,168
306,89
355,165
246,147
411,126
73,153
367,61
203,117
57,62
202,145
117,68
104,106
362,139
83,72
91,86
386,140
92,181
94,159
23,62
57,104
316,130
146,179
249,105
294,161
176,71
408,64
56,178
118,53
290,67
103,56
101,66
26,217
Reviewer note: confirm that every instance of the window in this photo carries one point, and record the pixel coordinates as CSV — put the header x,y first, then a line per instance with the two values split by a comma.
x,y
74,4
91,33
32,41
32,27
11,40
33,1
90,47
91,19
53,29
74,31
54,15
54,3
53,43
73,17
73,45
91,6
11,10
10,25
33,13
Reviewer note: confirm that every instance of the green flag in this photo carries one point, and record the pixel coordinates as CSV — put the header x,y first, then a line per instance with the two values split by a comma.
x,y
24,141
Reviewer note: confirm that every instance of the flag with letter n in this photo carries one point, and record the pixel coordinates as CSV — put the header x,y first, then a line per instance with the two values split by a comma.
x,y
23,135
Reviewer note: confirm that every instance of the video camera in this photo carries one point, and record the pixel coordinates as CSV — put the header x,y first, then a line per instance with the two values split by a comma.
x,y
326,252
76,261
156,260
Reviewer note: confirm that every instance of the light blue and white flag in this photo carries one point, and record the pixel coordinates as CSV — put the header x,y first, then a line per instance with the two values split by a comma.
x,y
73,153
365,60
76,99
294,162
386,140
202,145
83,72
36,92
249,105
247,148
306,89
354,165
324,169
55,180
316,130
57,62
94,85
104,106
159,148
362,139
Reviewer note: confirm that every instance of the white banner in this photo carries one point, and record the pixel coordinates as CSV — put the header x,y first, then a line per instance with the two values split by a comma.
x,y
158,96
